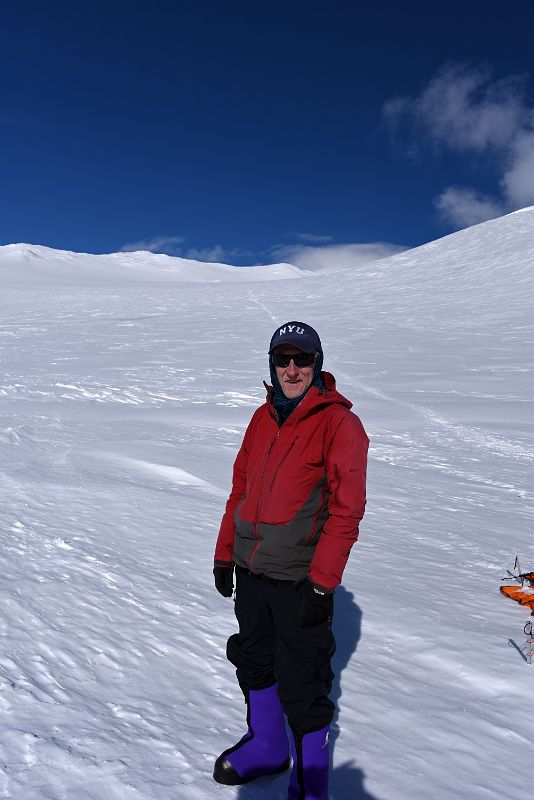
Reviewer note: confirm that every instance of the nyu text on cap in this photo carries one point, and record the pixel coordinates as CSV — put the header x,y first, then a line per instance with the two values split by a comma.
x,y
298,334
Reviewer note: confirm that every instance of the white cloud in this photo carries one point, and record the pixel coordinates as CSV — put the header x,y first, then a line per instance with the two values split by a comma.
x,y
216,254
171,245
518,180
463,110
335,256
313,238
464,207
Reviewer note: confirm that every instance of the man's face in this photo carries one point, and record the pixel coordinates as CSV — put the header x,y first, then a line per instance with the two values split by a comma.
x,y
293,380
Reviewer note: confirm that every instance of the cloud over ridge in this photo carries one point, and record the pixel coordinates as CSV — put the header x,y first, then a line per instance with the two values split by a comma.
x,y
170,245
174,246
335,256
464,110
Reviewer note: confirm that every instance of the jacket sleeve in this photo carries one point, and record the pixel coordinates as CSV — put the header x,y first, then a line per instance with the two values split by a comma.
x,y
346,468
224,548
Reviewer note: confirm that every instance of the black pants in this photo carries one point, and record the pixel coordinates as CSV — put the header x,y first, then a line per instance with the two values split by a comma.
x,y
271,646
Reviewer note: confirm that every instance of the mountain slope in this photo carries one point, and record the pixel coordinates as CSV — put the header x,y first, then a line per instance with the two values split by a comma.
x,y
121,410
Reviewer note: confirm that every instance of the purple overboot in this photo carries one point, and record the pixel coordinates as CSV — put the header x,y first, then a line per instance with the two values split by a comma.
x,y
309,776
264,749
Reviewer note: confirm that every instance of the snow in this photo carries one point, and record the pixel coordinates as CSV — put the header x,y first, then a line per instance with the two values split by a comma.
x,y
26,264
127,384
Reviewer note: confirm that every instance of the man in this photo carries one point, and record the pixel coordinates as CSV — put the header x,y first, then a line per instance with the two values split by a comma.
x,y
297,498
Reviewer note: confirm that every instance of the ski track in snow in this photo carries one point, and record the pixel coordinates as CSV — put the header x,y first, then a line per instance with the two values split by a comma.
x,y
121,410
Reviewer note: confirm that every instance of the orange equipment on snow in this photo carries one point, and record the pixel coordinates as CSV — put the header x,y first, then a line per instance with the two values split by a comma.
x,y
524,595
520,594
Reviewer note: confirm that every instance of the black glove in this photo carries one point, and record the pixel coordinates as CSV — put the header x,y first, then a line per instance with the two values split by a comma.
x,y
223,572
315,604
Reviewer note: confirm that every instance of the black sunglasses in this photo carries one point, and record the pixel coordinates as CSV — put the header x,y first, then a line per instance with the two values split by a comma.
x,y
299,359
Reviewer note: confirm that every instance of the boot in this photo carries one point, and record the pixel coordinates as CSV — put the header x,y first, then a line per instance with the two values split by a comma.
x,y
309,776
264,749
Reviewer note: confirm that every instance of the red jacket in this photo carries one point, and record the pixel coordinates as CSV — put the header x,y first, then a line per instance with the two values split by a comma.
x,y
298,491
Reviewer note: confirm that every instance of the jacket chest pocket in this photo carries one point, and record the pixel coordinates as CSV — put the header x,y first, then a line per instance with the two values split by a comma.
x,y
278,468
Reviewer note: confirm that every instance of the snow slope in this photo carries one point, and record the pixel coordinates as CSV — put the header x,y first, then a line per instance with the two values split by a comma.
x,y
30,265
122,405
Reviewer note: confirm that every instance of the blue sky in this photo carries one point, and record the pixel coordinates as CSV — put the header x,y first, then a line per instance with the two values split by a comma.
x,y
252,131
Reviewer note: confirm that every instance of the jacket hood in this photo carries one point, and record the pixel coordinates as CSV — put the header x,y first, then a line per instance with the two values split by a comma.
x,y
314,399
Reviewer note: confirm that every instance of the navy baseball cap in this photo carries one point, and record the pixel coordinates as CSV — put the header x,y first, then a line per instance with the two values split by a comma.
x,y
298,334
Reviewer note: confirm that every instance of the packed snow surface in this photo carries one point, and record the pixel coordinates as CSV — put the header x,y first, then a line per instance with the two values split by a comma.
x,y
123,401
